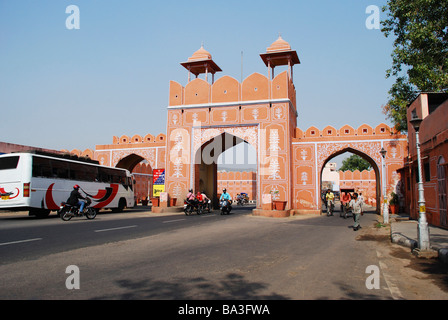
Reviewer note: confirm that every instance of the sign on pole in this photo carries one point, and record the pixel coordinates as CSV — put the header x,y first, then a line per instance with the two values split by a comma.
x,y
158,182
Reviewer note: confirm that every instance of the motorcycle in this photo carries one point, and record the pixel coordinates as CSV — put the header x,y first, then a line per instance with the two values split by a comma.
x,y
67,211
346,211
225,207
242,201
207,205
192,205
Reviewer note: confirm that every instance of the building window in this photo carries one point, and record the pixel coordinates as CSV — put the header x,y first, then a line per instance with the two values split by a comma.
x,y
427,170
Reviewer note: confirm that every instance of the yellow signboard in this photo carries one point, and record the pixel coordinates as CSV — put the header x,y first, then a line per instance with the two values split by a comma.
x,y
156,189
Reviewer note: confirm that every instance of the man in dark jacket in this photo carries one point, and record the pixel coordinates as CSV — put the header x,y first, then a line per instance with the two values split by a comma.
x,y
73,200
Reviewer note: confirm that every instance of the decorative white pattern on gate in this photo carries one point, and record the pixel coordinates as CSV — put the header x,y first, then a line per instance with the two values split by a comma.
x,y
247,133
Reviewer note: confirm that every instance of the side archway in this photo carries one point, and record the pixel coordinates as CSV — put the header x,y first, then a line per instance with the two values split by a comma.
x,y
372,162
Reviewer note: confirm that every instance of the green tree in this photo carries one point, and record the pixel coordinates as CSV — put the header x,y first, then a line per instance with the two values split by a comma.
x,y
420,55
355,162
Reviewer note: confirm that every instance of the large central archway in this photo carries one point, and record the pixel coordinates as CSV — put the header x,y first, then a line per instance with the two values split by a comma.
x,y
207,155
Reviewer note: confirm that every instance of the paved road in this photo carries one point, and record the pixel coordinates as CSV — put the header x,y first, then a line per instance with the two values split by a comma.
x,y
233,257
24,238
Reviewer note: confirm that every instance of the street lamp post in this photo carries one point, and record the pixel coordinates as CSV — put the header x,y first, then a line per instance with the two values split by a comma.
x,y
385,207
423,230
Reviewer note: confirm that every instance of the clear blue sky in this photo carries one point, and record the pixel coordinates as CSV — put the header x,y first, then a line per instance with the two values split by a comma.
x,y
67,89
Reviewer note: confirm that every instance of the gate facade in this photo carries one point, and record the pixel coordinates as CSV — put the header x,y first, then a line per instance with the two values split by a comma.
x,y
206,117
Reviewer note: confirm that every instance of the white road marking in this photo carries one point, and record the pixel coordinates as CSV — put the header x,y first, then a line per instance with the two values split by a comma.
x,y
19,241
390,281
173,220
112,229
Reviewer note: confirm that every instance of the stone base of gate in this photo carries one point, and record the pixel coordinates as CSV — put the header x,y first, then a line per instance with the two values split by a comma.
x,y
271,213
299,212
167,209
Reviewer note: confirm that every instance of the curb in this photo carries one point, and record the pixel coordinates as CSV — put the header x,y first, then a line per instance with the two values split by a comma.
x,y
400,239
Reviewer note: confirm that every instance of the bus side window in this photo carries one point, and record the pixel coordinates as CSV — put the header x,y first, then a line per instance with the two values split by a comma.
x,y
103,175
60,169
41,167
76,171
91,173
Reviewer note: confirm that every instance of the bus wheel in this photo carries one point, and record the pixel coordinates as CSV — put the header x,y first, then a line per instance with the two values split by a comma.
x,y
121,205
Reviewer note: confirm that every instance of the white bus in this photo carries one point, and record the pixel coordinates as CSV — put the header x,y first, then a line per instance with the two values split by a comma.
x,y
39,182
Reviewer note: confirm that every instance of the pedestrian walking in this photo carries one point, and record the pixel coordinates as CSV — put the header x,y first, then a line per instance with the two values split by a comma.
x,y
362,200
356,205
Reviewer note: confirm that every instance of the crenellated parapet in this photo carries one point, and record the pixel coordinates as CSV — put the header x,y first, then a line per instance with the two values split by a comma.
x,y
136,139
332,134
227,89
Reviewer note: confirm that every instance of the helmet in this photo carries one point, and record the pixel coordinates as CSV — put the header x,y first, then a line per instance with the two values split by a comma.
x,y
224,190
190,190
76,187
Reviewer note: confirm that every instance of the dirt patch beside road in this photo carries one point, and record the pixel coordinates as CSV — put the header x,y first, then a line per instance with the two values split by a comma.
x,y
415,278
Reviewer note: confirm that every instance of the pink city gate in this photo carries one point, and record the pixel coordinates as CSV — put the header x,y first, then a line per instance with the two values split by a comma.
x,y
205,119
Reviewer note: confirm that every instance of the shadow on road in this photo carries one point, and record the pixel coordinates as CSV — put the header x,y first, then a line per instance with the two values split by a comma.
x,y
233,286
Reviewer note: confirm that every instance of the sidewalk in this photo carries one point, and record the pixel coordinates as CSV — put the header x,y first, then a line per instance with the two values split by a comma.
x,y
404,232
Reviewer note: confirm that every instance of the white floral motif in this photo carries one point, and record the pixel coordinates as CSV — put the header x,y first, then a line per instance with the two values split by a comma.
x,y
178,168
177,190
393,152
178,142
274,168
224,116
304,154
278,113
274,140
304,178
255,113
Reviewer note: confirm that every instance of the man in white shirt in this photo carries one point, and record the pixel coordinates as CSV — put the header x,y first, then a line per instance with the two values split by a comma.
x,y
356,205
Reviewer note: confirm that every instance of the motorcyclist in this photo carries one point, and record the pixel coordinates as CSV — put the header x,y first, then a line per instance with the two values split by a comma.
x,y
74,199
190,195
206,199
199,197
239,198
191,199
225,196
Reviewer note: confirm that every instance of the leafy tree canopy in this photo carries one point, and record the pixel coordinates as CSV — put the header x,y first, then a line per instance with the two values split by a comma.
x,y
355,162
420,55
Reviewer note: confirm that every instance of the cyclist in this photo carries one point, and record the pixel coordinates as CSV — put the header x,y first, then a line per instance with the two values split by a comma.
x,y
329,197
